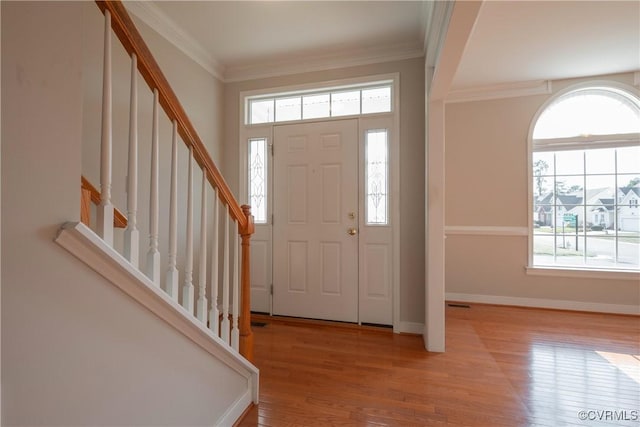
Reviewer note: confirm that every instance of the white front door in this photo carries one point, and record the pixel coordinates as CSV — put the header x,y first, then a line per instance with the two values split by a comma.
x,y
315,225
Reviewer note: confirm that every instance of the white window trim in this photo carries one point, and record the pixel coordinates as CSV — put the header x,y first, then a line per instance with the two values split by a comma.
x,y
592,273
247,131
572,143
320,88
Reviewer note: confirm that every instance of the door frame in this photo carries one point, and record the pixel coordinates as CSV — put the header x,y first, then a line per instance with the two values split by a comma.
x,y
365,122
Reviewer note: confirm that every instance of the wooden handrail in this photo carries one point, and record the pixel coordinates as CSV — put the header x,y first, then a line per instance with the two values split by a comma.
x,y
133,43
92,193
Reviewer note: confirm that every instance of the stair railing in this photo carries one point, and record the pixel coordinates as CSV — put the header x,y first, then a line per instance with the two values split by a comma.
x,y
233,323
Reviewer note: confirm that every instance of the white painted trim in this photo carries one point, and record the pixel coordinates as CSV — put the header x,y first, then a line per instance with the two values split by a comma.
x,y
410,328
437,30
482,230
499,91
583,273
266,130
0,218
394,174
593,141
235,411
572,88
82,242
320,86
344,59
426,12
160,22
459,30
434,331
531,143
545,303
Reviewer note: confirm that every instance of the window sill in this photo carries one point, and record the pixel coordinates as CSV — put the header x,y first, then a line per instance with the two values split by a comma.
x,y
582,273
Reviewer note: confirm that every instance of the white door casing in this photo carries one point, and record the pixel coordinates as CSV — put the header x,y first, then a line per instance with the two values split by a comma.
x,y
315,240
378,245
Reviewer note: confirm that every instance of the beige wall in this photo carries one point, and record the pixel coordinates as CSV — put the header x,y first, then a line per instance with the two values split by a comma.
x,y
411,161
486,185
75,350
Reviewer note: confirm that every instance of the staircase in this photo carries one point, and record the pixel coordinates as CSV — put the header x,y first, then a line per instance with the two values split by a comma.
x,y
203,290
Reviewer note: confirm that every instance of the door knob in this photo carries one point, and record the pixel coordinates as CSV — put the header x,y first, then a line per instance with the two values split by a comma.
x,y
352,232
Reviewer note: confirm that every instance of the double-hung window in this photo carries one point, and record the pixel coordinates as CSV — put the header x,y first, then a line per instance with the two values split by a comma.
x,y
585,180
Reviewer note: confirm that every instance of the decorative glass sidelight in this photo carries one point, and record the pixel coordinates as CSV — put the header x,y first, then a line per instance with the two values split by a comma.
x,y
258,179
377,176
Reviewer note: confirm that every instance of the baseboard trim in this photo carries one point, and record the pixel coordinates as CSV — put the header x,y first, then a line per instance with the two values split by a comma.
x,y
410,328
237,411
545,303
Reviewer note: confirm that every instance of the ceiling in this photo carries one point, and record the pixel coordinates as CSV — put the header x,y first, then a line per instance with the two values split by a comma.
x,y
246,32
516,41
512,41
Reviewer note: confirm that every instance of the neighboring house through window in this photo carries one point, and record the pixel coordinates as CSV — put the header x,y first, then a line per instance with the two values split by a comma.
x,y
585,176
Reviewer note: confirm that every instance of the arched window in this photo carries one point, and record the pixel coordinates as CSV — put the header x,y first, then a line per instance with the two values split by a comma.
x,y
585,180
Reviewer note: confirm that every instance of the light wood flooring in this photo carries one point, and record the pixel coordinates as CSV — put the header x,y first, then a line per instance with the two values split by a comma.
x,y
504,366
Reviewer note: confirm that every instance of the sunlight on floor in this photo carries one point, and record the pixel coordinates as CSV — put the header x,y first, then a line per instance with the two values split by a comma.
x,y
627,363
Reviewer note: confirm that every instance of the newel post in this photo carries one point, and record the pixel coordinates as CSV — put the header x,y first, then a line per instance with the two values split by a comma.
x,y
246,335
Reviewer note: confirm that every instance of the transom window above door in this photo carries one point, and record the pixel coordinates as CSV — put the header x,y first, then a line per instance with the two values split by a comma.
x,y
334,102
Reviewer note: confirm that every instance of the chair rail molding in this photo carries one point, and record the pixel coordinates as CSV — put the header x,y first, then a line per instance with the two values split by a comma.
x,y
485,230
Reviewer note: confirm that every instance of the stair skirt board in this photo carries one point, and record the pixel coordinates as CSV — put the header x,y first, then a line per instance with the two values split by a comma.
x,y
84,244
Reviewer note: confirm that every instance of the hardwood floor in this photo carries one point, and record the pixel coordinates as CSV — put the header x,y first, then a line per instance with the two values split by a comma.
x,y
504,366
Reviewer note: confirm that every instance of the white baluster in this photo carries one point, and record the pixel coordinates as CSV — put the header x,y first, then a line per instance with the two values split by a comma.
x,y
172,272
105,210
214,313
235,309
153,256
187,289
225,327
201,308
131,234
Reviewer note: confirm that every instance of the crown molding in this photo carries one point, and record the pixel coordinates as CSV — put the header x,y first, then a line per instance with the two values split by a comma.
x,y
342,59
499,91
160,22
439,17
426,12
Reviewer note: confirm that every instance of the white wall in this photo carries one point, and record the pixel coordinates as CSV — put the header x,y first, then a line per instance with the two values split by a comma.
x,y
75,350
412,192
486,186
